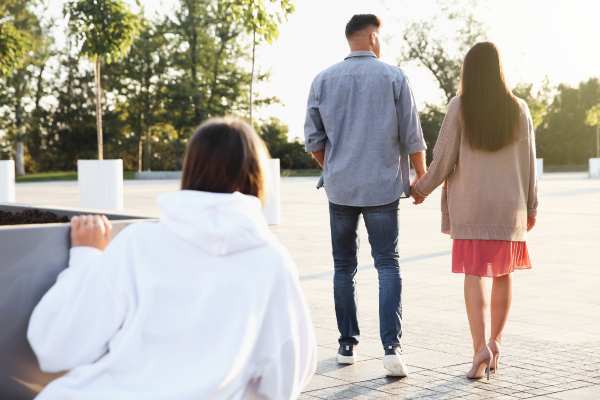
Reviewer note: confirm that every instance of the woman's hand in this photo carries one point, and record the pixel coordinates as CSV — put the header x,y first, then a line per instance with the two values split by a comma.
x,y
90,231
530,223
416,198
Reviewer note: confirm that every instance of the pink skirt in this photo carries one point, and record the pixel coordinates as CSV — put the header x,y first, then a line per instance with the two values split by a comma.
x,y
489,258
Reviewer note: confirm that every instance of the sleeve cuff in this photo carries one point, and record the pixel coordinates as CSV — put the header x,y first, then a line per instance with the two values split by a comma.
x,y
419,191
314,147
82,255
416,148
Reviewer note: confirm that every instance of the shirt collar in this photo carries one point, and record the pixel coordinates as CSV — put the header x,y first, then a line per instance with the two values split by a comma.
x,y
361,54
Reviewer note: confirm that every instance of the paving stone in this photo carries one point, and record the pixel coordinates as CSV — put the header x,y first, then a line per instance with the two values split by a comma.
x,y
551,340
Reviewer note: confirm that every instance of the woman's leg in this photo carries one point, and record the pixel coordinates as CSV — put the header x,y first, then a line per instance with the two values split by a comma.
x,y
476,306
501,301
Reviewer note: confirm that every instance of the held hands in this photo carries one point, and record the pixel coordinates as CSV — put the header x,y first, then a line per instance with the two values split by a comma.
x,y
416,198
91,231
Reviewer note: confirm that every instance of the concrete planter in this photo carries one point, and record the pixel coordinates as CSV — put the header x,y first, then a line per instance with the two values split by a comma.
x,y
540,168
7,181
100,184
594,168
272,207
31,258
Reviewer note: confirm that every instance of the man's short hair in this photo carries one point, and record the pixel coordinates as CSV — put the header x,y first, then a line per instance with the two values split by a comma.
x,y
359,22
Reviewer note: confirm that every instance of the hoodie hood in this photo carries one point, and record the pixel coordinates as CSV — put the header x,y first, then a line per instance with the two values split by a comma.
x,y
218,223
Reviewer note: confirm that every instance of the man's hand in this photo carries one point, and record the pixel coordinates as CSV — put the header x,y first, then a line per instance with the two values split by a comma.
x,y
416,198
91,231
530,223
319,157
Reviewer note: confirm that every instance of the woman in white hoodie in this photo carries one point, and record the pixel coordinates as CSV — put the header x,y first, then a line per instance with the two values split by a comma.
x,y
204,304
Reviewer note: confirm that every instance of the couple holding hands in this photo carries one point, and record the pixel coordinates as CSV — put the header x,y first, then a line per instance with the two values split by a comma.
x,y
363,128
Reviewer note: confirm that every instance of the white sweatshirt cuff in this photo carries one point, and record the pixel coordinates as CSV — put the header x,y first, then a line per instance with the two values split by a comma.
x,y
82,255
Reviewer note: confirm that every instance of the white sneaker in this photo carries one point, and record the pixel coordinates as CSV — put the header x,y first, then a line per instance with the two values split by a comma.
x,y
393,362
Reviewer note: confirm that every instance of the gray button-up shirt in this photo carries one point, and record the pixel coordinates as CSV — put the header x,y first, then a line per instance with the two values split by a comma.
x,y
363,114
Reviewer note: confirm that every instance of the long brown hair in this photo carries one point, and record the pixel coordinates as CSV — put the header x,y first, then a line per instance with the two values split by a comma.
x,y
224,156
489,109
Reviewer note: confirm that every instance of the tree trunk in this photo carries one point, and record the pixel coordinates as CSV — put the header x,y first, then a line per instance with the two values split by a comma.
x,y
148,152
140,154
99,109
251,105
20,158
19,135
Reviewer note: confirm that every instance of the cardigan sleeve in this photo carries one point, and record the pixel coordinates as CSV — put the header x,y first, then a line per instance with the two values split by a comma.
x,y
445,152
532,196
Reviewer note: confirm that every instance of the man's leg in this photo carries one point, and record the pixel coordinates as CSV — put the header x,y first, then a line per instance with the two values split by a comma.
x,y
344,243
382,226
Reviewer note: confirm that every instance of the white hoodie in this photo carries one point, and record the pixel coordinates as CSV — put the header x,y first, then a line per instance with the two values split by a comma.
x,y
204,304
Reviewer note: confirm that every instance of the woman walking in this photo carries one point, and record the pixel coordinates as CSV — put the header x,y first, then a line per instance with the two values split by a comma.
x,y
205,304
485,156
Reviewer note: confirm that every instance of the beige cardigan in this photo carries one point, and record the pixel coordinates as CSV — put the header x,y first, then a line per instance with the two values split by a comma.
x,y
486,195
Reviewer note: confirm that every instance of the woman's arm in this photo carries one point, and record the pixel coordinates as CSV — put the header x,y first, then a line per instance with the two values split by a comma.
x,y
532,197
74,322
532,194
445,152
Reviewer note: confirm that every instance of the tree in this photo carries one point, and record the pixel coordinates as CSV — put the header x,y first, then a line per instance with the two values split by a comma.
x,y
14,45
431,121
139,80
264,26
436,51
210,42
563,137
291,154
538,101
20,99
106,30
592,118
72,123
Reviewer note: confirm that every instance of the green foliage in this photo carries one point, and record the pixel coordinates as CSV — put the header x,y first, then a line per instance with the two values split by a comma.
x,y
178,71
105,28
564,138
291,154
13,48
431,122
432,49
592,117
264,17
538,101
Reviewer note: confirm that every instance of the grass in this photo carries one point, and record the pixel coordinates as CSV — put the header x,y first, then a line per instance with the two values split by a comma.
x,y
59,176
300,172
72,175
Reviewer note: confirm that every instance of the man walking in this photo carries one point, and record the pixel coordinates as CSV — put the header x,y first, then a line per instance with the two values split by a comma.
x,y
362,126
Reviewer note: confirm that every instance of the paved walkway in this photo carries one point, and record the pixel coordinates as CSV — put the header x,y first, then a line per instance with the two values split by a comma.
x,y
552,344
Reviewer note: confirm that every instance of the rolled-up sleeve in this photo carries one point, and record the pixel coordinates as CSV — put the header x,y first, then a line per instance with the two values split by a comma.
x,y
314,131
409,125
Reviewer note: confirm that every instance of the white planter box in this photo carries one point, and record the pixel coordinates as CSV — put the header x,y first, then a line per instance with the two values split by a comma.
x,y
7,181
272,207
540,168
595,168
100,184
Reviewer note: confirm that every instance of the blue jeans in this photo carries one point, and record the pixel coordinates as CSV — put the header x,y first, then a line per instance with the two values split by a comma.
x,y
382,227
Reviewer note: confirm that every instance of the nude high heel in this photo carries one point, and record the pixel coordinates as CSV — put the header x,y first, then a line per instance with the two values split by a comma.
x,y
495,349
481,364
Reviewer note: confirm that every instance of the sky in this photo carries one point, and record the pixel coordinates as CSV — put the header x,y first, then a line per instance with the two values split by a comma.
x,y
558,40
